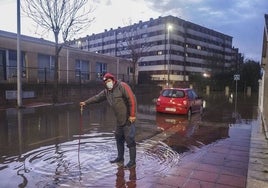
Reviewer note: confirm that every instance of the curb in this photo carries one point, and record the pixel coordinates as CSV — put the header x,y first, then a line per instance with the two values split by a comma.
x,y
257,169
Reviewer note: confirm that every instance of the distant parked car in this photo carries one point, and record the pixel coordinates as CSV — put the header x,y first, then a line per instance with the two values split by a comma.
x,y
179,101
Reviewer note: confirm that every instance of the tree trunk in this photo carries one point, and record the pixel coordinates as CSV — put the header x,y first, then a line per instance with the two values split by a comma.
x,y
56,70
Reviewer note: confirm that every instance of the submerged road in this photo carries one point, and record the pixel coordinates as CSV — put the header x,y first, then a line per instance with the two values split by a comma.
x,y
54,146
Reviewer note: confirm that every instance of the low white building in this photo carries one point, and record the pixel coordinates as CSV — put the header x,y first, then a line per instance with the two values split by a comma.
x,y
37,58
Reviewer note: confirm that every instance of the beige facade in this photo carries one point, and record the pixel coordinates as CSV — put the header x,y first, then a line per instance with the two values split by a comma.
x,y
37,60
172,48
263,99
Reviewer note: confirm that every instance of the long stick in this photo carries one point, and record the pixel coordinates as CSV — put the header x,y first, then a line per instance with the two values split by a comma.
x,y
80,132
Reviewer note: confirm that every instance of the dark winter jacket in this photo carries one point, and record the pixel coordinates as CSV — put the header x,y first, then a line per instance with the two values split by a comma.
x,y
121,99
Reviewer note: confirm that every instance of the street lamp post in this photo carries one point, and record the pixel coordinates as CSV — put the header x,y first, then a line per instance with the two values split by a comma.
x,y
19,88
169,28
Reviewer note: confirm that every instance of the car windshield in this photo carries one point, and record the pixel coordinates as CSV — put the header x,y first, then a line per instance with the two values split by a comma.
x,y
173,93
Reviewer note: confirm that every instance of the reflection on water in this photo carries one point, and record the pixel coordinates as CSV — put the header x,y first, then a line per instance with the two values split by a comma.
x,y
55,146
53,142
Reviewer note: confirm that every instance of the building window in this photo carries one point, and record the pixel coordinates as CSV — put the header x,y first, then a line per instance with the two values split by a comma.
x,y
46,66
81,70
145,26
101,69
160,52
11,68
145,35
3,71
130,70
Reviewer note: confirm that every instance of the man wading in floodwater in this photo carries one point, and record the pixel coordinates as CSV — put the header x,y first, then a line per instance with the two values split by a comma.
x,y
123,102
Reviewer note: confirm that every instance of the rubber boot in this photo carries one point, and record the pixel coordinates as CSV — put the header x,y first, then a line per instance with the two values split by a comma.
x,y
132,156
120,154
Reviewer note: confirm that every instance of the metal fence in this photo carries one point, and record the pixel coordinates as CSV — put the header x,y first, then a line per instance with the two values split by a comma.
x,y
46,75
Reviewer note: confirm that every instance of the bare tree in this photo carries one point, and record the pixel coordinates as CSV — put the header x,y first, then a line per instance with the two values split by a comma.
x,y
64,18
134,44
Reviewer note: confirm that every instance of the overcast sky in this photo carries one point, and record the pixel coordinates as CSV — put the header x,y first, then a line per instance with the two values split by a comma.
x,y
241,19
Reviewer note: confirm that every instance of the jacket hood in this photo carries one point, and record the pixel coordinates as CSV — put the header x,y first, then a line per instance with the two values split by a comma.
x,y
107,76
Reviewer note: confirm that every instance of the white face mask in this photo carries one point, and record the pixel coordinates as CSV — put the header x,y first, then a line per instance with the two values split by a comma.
x,y
110,85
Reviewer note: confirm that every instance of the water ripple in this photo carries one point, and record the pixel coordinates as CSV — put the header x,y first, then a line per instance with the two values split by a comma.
x,y
85,162
157,157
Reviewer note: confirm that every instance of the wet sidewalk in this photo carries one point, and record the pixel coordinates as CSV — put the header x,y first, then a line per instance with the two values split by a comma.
x,y
235,162
219,165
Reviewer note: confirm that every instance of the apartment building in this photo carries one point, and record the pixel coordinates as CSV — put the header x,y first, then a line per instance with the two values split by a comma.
x,y
37,58
169,48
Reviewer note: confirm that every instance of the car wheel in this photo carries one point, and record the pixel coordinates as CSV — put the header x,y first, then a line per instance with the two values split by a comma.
x,y
189,114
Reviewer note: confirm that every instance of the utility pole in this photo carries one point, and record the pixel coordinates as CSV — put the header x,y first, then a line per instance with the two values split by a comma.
x,y
236,78
19,92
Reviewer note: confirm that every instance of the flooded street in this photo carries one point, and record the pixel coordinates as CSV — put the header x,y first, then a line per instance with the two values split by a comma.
x,y
59,146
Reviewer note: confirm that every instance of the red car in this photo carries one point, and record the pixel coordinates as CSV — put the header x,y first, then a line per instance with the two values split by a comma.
x,y
179,101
